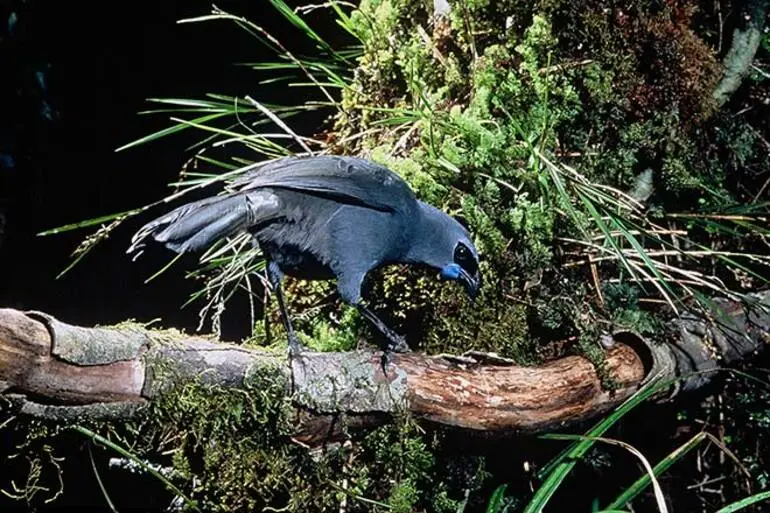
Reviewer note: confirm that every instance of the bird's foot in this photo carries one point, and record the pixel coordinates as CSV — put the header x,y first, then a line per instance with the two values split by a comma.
x,y
396,344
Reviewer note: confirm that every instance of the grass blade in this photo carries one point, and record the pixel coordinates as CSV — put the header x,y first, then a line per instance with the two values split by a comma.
x,y
298,22
744,503
497,500
147,468
558,469
641,483
278,121
650,474
171,130
106,495
89,222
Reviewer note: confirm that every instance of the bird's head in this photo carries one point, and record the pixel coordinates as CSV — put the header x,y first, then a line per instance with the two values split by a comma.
x,y
445,244
464,267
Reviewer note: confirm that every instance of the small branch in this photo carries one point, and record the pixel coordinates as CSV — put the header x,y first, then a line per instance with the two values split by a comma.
x,y
278,121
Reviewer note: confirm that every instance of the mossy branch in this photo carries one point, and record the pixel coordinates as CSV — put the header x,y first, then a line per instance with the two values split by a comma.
x,y
746,39
54,370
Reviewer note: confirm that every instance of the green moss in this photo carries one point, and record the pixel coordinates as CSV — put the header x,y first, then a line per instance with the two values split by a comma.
x,y
403,497
413,480
588,347
231,446
622,303
321,321
342,337
464,113
230,450
427,183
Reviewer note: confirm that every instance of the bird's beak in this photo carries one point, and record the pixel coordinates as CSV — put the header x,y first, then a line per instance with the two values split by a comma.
x,y
472,284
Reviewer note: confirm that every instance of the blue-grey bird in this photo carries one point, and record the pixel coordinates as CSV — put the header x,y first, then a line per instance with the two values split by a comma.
x,y
325,217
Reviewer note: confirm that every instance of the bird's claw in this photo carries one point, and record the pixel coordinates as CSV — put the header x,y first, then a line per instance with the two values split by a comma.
x,y
385,360
396,344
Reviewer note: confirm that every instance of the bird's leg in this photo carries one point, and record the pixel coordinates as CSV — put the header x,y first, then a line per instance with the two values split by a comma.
x,y
275,276
396,343
349,288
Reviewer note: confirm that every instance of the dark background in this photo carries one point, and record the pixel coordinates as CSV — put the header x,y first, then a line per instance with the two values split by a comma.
x,y
58,163
73,76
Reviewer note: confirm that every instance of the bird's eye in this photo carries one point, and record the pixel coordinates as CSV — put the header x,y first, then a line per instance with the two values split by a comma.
x,y
464,258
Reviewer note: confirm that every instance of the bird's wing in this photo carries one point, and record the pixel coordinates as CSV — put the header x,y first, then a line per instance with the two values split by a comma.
x,y
344,179
197,225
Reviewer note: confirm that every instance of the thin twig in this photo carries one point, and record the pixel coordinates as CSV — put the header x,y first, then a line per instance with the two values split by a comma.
x,y
278,121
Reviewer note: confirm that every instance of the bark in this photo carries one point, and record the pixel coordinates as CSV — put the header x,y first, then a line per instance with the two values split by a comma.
x,y
745,42
55,370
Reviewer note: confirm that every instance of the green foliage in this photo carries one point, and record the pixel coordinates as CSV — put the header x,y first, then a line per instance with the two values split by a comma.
x,y
229,445
420,475
559,79
411,463
342,337
622,303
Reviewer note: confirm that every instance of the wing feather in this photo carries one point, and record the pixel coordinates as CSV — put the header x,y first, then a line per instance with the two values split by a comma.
x,y
344,179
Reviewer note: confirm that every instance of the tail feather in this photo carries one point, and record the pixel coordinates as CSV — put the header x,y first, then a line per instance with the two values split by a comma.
x,y
196,226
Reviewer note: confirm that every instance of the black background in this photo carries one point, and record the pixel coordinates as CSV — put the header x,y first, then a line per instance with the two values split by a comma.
x,y
103,60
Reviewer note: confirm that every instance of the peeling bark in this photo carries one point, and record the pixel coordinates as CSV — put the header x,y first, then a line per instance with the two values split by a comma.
x,y
51,369
746,39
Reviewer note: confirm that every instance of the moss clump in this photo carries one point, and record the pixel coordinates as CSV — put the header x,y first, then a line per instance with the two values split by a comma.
x,y
231,446
318,317
230,450
465,113
622,304
464,108
413,479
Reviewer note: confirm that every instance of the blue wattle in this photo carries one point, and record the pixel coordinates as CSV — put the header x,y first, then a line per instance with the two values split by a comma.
x,y
450,272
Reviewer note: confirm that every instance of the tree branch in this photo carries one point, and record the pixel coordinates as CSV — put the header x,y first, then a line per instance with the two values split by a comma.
x,y
54,370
